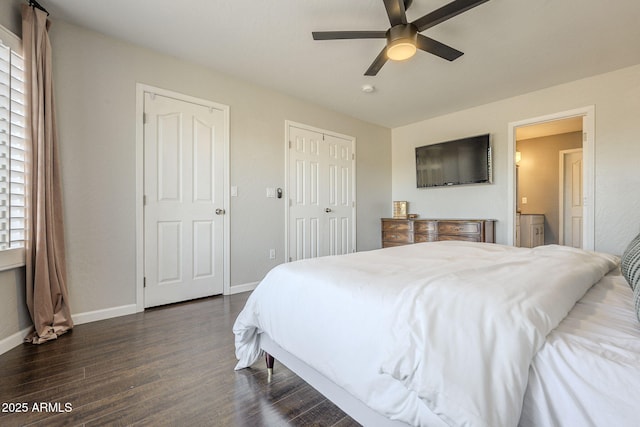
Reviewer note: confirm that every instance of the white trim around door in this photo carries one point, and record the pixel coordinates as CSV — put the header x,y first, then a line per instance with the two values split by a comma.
x,y
588,149
141,89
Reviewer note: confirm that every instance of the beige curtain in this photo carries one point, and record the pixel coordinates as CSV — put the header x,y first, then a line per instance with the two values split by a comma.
x,y
46,272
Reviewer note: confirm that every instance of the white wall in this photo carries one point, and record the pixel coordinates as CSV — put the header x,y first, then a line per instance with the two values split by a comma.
x,y
616,97
95,84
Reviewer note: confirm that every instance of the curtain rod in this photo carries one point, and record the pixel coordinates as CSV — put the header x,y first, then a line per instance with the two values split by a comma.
x,y
34,3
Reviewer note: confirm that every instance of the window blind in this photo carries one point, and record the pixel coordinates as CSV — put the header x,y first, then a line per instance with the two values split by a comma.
x,y
12,148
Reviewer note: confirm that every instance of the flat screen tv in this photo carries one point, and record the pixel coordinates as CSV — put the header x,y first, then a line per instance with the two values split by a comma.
x,y
457,162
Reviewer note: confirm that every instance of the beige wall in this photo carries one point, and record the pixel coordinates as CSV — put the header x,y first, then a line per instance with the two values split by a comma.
x,y
616,97
95,85
10,15
95,89
539,177
96,78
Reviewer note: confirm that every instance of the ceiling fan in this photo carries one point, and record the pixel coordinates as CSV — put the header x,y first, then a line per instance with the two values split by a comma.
x,y
403,37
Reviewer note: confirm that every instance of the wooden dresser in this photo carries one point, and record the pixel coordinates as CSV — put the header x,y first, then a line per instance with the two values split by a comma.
x,y
397,232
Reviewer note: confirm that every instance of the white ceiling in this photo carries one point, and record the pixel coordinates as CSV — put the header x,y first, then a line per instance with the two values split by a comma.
x,y
511,47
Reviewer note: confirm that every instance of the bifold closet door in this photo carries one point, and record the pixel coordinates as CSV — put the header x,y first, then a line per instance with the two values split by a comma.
x,y
321,199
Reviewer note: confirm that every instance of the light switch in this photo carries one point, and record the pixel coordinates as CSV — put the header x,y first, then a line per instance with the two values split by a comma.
x,y
271,192
524,200
234,191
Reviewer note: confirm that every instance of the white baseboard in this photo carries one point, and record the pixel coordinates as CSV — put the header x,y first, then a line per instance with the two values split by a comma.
x,y
93,316
14,340
247,287
107,313
78,319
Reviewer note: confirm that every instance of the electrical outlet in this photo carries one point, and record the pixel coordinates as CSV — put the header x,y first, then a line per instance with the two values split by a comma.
x,y
272,254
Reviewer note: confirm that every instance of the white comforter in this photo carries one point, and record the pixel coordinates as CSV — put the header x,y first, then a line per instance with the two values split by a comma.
x,y
587,373
451,326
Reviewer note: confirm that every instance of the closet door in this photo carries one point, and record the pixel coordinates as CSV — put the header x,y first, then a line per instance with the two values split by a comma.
x,y
321,212
183,184
337,200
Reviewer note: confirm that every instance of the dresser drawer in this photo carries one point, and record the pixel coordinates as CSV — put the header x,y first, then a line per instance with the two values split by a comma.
x,y
424,227
397,225
397,237
425,237
445,227
462,237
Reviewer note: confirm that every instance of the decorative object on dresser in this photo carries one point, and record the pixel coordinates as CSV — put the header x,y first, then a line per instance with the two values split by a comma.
x,y
531,231
400,210
397,232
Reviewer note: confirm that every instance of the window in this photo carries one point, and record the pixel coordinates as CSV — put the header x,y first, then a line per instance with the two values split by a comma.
x,y
12,151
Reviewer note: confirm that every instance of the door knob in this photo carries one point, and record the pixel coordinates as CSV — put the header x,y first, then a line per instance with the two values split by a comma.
x,y
219,211
327,210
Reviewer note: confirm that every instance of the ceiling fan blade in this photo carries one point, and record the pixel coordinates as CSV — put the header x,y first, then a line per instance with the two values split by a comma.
x,y
396,12
341,35
436,48
447,11
380,60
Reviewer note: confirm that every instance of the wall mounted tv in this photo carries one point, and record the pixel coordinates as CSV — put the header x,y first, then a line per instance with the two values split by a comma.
x,y
457,162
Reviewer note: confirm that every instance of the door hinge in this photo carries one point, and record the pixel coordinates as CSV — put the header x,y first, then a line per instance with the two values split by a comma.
x,y
144,282
144,200
290,145
584,137
353,156
144,118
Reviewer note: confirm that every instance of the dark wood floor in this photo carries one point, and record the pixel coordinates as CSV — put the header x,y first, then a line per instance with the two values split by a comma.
x,y
167,366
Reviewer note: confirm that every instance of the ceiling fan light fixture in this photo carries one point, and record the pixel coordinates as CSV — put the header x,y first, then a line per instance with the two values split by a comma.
x,y
401,42
401,50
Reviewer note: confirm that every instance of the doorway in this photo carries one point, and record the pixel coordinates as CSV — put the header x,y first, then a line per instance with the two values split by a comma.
x,y
182,227
534,147
320,177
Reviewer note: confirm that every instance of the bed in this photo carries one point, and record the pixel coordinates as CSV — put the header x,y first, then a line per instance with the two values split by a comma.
x,y
454,333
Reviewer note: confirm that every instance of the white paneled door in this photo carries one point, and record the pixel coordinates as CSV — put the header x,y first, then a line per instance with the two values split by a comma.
x,y
572,197
184,203
321,194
